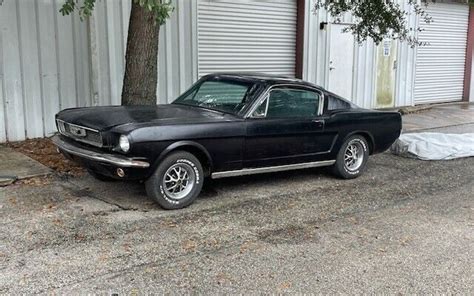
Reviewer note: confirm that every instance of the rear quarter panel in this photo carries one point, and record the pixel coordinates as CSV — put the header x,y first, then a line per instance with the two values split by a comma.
x,y
381,128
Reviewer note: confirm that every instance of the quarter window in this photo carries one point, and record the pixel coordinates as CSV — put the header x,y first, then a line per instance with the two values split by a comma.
x,y
289,103
337,104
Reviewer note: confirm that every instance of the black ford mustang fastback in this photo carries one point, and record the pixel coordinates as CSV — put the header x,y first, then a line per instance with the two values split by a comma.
x,y
225,125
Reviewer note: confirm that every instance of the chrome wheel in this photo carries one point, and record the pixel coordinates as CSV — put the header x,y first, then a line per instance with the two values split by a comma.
x,y
179,181
354,155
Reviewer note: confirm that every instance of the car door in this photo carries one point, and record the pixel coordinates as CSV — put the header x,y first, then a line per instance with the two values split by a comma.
x,y
286,127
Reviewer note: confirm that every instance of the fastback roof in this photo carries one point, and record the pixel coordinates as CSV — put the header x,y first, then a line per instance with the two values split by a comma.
x,y
261,77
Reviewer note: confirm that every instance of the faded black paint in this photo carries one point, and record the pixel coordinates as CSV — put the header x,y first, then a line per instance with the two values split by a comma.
x,y
232,141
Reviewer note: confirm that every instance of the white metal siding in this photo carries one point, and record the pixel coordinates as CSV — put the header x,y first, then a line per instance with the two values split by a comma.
x,y
49,62
258,36
405,76
177,56
316,58
440,65
44,67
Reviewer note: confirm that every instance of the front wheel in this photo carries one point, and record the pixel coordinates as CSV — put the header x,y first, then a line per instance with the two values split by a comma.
x,y
352,158
177,181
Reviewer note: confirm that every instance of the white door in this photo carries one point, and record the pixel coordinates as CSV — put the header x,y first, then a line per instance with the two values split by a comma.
x,y
247,36
341,61
440,64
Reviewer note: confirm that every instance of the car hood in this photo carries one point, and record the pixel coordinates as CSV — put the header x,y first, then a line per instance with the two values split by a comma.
x,y
103,118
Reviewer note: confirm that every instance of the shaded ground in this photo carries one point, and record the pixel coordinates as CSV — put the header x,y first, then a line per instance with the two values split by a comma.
x,y
44,151
15,165
406,226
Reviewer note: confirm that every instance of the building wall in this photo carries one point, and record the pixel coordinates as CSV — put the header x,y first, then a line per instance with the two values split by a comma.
x,y
316,57
177,53
44,67
49,62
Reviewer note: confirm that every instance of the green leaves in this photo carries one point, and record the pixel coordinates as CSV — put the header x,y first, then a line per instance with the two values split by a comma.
x,y
378,19
161,8
85,10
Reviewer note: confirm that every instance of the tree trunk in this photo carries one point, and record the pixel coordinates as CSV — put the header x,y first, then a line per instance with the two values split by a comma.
x,y
139,83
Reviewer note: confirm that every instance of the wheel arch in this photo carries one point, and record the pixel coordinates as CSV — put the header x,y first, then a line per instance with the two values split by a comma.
x,y
196,149
367,135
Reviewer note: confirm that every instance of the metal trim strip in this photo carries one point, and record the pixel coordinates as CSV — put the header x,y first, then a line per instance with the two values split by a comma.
x,y
272,169
118,160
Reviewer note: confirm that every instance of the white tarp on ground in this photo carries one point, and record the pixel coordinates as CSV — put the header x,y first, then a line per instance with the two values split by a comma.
x,y
434,146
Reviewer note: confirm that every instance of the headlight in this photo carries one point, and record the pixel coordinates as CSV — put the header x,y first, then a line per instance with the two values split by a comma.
x,y
124,143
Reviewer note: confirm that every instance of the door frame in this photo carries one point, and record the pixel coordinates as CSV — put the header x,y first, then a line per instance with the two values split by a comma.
x,y
316,120
327,71
263,96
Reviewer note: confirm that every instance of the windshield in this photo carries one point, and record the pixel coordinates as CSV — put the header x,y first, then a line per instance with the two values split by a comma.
x,y
225,96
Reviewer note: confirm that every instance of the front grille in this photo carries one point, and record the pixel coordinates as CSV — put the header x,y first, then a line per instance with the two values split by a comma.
x,y
80,133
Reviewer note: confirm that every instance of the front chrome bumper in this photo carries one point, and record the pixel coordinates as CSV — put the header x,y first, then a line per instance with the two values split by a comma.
x,y
117,160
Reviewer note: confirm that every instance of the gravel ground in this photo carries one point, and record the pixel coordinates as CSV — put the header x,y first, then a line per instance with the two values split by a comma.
x,y
406,226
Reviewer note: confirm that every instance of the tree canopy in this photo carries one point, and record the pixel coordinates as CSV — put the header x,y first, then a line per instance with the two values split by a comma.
x,y
378,19
160,8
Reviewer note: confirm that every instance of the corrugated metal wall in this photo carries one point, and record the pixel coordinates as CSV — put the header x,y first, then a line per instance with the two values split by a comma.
x,y
49,62
316,58
440,65
177,51
405,80
177,61
44,67
247,36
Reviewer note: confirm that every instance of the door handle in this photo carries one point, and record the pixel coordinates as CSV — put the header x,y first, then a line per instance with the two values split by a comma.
x,y
318,122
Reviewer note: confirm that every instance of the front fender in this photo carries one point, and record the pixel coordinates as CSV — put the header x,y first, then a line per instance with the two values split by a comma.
x,y
190,146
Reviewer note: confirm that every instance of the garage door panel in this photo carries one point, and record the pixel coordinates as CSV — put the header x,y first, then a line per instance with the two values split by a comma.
x,y
246,36
440,64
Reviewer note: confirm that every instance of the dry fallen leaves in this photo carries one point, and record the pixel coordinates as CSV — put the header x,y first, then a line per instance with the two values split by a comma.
x,y
44,151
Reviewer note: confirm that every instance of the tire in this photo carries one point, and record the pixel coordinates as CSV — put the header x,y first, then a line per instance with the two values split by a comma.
x,y
168,185
100,177
346,166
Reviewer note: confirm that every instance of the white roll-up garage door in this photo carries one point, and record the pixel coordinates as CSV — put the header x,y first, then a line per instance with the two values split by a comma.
x,y
247,36
440,65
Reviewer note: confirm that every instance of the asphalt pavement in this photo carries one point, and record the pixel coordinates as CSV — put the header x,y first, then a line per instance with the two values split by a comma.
x,y
406,226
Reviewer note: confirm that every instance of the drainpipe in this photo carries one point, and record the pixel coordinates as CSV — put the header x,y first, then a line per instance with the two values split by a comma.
x,y
468,92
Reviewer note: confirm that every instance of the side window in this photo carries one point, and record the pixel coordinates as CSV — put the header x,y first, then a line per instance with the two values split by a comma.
x,y
337,104
289,103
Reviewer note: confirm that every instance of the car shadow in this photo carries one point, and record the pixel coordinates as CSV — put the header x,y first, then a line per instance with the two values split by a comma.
x,y
267,181
132,195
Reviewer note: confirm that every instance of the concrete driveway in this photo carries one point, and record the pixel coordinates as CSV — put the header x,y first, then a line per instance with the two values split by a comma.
x,y
406,226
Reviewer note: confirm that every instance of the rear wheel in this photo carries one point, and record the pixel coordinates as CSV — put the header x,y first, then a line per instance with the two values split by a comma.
x,y
352,158
177,181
